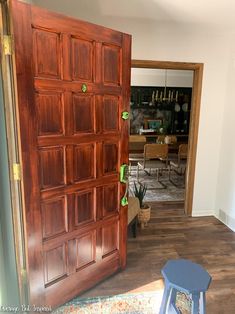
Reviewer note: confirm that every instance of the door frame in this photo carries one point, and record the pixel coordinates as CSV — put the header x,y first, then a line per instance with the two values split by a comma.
x,y
197,68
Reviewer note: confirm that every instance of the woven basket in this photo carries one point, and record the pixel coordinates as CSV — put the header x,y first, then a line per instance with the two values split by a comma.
x,y
144,216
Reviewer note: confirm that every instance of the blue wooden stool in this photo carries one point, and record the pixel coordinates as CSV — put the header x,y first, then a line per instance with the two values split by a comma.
x,y
187,277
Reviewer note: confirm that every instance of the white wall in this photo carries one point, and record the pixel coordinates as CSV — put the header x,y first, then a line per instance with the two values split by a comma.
x,y
173,42
225,201
176,44
157,77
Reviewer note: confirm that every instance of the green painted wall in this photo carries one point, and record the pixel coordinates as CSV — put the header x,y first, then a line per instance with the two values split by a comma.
x,y
8,277
2,270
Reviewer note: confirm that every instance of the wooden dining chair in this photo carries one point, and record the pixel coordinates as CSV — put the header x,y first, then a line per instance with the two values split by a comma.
x,y
179,165
155,158
160,139
136,150
173,139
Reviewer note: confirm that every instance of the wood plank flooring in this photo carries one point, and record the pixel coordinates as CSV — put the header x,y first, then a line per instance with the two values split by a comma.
x,y
169,235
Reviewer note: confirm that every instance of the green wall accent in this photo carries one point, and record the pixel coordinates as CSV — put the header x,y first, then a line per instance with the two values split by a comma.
x,y
9,294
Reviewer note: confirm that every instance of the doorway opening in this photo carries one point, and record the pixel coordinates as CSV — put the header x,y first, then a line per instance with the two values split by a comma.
x,y
179,123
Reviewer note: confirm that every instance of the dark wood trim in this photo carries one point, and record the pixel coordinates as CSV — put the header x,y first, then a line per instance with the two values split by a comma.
x,y
194,118
171,65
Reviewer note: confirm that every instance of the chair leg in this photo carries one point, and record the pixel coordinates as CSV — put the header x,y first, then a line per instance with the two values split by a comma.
x,y
162,184
148,173
138,175
157,174
172,182
170,179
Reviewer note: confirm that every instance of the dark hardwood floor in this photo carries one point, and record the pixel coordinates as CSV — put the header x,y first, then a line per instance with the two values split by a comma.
x,y
169,235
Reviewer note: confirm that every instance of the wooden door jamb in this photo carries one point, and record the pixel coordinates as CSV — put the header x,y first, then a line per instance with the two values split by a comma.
x,y
194,117
13,142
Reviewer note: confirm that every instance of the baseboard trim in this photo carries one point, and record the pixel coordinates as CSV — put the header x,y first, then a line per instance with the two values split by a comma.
x,y
221,216
226,219
201,213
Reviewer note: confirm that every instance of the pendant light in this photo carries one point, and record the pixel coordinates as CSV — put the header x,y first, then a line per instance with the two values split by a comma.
x,y
163,98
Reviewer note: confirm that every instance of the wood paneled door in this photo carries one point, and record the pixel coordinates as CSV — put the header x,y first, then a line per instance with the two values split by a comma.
x,y
73,81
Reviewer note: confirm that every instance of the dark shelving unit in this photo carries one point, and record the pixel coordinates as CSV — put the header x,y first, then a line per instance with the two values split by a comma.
x,y
175,115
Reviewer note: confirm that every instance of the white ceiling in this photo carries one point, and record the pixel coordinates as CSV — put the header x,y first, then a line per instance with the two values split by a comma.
x,y
199,13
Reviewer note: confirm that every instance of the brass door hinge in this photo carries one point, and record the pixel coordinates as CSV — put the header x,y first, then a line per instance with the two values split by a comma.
x,y
16,172
24,275
7,45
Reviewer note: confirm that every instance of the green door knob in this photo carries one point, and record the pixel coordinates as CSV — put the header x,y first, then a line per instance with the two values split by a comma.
x,y
125,115
84,88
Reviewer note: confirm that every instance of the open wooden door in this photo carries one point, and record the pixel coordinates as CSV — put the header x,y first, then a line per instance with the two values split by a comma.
x,y
73,81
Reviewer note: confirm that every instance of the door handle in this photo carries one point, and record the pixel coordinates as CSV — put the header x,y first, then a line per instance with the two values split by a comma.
x,y
124,173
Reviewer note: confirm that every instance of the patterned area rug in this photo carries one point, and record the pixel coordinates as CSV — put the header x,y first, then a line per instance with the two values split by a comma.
x,y
136,303
139,303
171,193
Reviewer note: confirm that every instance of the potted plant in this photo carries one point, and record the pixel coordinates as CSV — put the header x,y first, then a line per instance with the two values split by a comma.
x,y
145,209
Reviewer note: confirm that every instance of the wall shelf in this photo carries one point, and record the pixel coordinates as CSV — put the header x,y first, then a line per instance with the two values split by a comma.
x,y
175,115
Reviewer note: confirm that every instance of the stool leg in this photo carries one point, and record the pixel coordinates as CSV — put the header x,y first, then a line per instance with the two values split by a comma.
x,y
195,303
165,298
173,296
172,300
203,303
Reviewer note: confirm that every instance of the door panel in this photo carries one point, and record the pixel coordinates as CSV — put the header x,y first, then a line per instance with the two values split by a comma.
x,y
50,113
83,106
86,249
73,142
55,265
84,207
82,59
110,158
84,162
54,208
110,113
110,201
111,62
109,239
51,167
46,64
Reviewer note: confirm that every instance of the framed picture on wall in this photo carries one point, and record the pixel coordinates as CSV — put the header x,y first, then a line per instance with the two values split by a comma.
x,y
154,123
